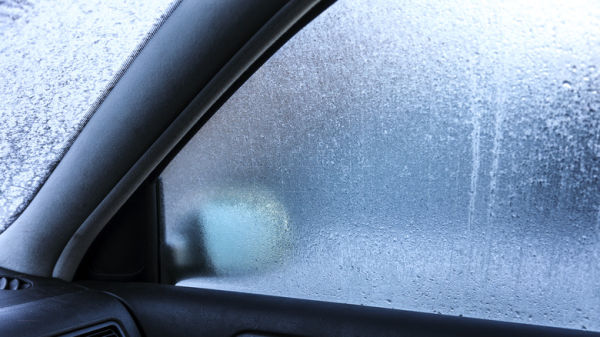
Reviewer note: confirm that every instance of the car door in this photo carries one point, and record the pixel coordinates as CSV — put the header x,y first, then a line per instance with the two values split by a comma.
x,y
382,173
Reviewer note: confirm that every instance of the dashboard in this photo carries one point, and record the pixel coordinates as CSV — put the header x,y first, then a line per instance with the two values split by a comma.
x,y
32,306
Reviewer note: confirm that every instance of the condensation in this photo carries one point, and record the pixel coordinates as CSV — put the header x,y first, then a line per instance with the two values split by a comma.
x,y
56,60
428,156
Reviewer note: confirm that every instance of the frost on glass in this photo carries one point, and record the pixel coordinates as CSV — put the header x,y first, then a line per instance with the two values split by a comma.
x,y
56,59
423,156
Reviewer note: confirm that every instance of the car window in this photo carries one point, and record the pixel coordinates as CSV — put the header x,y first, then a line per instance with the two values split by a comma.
x,y
428,156
57,58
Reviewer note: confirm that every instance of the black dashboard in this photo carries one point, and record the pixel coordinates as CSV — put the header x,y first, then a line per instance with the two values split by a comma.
x,y
33,306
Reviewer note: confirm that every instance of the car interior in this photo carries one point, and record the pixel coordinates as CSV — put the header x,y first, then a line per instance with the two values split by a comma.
x,y
87,255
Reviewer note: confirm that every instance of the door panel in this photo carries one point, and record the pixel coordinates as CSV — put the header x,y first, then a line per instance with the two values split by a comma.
x,y
164,310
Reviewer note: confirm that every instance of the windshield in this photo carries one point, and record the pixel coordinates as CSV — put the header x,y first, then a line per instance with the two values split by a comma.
x,y
57,59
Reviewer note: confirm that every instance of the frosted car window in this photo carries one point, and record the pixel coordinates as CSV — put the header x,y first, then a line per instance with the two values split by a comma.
x,y
424,156
56,59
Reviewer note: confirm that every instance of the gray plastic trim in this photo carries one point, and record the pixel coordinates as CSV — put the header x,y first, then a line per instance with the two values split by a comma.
x,y
75,249
200,50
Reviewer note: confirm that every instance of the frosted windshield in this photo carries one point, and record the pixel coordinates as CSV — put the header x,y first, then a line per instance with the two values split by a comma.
x,y
56,60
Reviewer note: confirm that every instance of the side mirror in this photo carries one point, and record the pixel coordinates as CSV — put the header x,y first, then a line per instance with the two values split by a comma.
x,y
233,232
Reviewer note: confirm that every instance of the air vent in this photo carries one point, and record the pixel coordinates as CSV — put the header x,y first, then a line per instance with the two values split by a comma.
x,y
13,283
109,329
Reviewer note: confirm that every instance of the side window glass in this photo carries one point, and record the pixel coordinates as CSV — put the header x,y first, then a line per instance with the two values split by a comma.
x,y
431,157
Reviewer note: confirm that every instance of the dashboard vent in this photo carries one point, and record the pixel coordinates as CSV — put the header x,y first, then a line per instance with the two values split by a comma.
x,y
13,283
109,329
